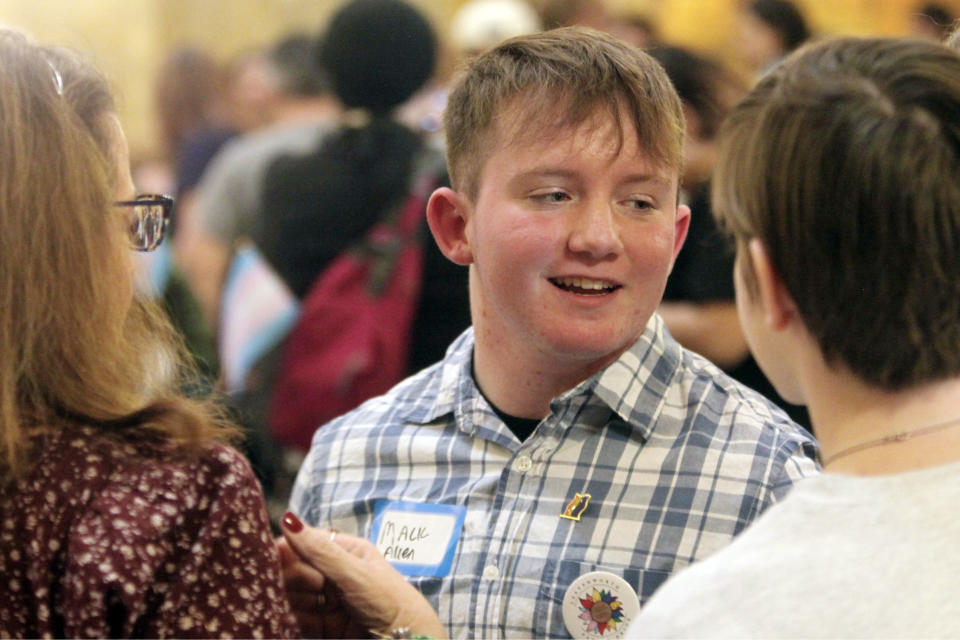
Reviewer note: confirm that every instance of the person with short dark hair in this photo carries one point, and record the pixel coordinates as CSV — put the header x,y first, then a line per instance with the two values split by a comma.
x,y
933,21
839,179
769,30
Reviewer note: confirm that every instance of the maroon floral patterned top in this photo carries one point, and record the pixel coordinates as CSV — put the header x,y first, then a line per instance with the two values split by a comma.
x,y
103,538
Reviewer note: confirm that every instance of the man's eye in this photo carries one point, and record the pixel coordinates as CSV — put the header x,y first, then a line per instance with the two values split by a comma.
x,y
639,205
551,197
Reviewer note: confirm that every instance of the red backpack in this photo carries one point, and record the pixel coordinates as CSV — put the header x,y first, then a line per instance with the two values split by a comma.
x,y
351,339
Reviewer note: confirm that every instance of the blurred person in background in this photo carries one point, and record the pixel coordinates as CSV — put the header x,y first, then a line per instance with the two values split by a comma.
x,y
639,29
634,28
932,21
229,203
251,88
201,105
123,512
229,197
481,24
476,26
567,13
318,204
769,30
195,120
698,303
952,39
194,115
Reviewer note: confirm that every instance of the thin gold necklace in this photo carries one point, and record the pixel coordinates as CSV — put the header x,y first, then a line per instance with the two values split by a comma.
x,y
900,436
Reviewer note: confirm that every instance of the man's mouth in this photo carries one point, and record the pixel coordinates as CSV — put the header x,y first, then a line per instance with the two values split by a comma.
x,y
584,286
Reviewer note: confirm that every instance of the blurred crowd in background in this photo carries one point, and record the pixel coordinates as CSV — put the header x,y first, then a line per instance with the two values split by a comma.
x,y
244,142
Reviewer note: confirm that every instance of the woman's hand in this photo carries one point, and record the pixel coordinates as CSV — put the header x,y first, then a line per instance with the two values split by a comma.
x,y
341,586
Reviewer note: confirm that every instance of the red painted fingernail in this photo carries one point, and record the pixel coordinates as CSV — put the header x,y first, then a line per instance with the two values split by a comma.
x,y
292,522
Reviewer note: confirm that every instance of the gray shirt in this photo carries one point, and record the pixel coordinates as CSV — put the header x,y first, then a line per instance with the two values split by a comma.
x,y
231,188
841,557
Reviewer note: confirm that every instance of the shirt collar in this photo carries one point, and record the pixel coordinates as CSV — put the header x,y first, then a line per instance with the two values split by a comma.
x,y
453,389
634,386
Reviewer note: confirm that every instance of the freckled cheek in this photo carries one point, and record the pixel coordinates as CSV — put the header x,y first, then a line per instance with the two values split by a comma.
x,y
651,251
518,244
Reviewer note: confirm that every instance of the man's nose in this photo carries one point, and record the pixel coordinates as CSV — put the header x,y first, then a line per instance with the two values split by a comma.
x,y
594,232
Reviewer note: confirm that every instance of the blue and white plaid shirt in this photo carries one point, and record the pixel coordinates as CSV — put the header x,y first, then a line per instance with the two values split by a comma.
x,y
677,457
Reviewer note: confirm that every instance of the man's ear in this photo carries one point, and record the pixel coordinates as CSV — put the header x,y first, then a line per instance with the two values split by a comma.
x,y
448,212
779,309
681,227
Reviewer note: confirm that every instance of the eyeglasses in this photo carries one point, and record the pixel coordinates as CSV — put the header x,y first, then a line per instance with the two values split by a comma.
x,y
147,220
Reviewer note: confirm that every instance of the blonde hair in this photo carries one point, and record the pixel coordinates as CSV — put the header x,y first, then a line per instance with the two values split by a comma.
x,y
77,347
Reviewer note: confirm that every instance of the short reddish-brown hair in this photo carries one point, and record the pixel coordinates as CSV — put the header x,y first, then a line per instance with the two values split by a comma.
x,y
552,80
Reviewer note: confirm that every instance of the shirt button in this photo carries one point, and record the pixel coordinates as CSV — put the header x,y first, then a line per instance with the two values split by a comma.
x,y
523,464
490,572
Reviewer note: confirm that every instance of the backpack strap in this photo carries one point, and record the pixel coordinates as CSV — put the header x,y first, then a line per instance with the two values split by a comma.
x,y
398,227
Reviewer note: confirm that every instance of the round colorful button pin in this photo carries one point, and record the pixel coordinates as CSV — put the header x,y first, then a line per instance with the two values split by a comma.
x,y
599,604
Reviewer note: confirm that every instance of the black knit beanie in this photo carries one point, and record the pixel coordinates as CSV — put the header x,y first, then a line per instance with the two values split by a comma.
x,y
378,53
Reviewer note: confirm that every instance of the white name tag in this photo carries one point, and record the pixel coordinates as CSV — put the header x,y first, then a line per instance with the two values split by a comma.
x,y
418,539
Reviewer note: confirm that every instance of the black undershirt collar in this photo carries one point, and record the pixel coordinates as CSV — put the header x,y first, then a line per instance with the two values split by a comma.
x,y
521,427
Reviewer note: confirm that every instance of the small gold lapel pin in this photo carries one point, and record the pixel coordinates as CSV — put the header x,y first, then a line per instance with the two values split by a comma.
x,y
576,507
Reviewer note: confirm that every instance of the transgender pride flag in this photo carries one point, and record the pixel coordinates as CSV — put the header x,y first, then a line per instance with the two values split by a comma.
x,y
257,312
